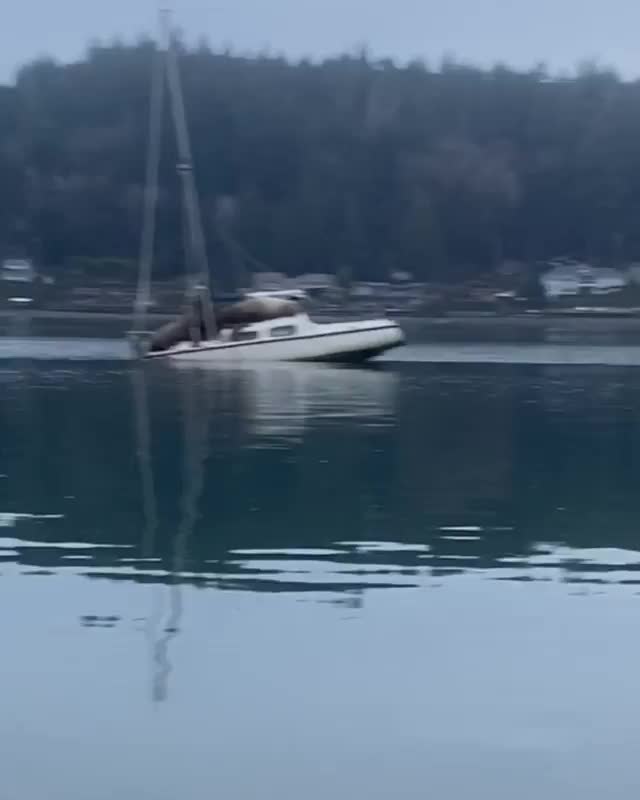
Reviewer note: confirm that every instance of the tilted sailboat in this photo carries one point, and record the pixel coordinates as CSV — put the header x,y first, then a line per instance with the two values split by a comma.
x,y
260,327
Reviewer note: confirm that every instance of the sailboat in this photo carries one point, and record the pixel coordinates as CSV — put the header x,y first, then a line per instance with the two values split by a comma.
x,y
261,326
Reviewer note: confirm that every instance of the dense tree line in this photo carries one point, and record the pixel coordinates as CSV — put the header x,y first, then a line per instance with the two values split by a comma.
x,y
352,166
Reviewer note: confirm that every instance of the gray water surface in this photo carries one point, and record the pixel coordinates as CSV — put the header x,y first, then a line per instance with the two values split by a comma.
x,y
304,582
43,348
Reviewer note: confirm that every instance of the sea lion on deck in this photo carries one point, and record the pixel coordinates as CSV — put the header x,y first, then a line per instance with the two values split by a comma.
x,y
244,312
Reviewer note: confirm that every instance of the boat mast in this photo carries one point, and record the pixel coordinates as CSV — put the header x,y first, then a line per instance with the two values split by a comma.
x,y
143,294
198,290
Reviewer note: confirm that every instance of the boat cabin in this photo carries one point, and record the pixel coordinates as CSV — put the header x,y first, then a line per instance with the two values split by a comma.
x,y
17,270
259,332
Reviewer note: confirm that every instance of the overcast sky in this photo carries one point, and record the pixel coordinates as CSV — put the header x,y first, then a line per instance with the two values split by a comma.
x,y
518,32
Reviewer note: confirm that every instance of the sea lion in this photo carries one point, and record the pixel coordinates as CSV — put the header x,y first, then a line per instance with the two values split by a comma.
x,y
244,312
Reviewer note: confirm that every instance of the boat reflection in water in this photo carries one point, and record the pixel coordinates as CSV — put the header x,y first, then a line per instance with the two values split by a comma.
x,y
279,400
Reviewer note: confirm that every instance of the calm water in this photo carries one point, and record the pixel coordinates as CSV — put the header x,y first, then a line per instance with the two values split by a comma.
x,y
413,581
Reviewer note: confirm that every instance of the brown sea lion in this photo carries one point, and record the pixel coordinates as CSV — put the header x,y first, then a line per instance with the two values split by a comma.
x,y
253,309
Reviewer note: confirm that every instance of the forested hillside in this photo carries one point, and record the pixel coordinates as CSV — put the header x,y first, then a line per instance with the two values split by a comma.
x,y
349,166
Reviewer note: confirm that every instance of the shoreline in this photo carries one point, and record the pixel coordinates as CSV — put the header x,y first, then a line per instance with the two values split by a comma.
x,y
613,320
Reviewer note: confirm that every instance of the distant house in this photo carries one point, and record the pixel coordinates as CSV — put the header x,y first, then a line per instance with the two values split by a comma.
x,y
17,270
370,289
270,282
572,278
315,282
401,276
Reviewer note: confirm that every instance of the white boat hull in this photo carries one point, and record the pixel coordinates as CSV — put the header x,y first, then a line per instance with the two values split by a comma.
x,y
349,342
